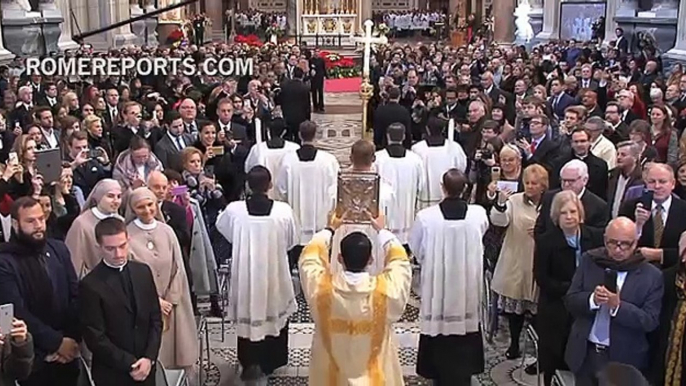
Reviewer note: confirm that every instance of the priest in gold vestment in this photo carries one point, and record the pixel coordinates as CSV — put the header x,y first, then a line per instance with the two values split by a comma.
x,y
354,342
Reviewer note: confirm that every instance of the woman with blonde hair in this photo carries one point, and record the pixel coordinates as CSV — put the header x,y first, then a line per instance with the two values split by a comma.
x,y
513,277
154,243
93,125
70,101
556,257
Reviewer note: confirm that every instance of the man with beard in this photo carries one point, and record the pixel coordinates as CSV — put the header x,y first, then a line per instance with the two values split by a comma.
x,y
38,278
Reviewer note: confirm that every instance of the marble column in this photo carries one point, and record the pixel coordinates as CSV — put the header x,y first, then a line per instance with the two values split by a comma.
x,y
65,42
214,10
611,9
536,16
150,24
121,36
551,21
678,52
365,12
138,27
503,21
5,55
623,8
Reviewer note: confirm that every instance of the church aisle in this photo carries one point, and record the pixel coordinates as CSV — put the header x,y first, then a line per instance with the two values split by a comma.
x,y
339,128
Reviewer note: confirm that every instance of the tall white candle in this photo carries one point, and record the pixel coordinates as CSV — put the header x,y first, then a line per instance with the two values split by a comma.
x,y
258,130
451,130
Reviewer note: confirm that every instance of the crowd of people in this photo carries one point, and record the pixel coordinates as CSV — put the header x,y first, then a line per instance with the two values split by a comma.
x,y
560,171
416,23
256,22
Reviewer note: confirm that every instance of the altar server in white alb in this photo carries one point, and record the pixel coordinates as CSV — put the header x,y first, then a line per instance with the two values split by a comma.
x,y
438,154
404,171
269,153
307,182
261,297
362,159
446,240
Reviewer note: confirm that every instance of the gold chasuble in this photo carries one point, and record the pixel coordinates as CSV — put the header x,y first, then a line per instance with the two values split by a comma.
x,y
354,342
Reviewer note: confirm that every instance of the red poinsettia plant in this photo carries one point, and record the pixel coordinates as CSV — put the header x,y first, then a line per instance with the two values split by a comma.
x,y
339,66
251,40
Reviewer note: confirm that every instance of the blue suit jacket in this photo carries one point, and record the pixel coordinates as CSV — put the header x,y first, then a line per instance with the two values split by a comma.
x,y
565,101
47,334
638,314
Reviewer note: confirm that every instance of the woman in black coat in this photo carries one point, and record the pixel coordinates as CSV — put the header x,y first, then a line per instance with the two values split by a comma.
x,y
558,252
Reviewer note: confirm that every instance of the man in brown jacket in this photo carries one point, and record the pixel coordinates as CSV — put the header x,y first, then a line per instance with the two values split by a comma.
x,y
16,354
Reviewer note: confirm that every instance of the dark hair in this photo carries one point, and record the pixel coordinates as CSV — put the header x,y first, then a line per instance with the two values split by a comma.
x,y
308,130
205,123
173,175
77,136
137,143
356,249
394,93
171,116
396,132
109,227
454,182
259,179
24,202
40,110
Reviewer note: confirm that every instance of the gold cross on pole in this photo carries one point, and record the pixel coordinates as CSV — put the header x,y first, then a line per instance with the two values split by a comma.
x,y
366,89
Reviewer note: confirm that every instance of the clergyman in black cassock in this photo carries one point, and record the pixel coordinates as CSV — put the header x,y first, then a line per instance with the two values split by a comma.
x,y
122,321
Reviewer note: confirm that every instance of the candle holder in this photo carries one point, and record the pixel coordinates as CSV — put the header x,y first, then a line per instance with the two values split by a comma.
x,y
366,92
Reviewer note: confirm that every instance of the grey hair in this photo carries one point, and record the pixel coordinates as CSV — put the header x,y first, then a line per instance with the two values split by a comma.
x,y
578,165
634,149
597,122
560,200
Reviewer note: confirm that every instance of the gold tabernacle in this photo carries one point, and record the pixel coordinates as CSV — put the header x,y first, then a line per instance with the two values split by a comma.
x,y
358,194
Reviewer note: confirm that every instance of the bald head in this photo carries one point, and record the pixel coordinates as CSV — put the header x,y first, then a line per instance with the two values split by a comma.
x,y
159,184
620,238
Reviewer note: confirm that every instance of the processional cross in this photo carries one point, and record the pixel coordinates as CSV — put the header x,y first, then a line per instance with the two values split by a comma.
x,y
366,88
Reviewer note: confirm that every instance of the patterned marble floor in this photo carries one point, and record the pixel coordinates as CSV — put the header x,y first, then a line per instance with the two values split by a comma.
x,y
337,132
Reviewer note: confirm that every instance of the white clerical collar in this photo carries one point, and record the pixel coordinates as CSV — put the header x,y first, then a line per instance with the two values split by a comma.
x,y
355,278
100,215
144,226
121,268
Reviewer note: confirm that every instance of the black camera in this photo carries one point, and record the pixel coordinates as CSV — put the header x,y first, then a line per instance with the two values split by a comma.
x,y
486,154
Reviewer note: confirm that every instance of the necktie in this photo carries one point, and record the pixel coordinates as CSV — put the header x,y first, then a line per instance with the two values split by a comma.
x,y
533,147
602,324
556,102
179,143
658,226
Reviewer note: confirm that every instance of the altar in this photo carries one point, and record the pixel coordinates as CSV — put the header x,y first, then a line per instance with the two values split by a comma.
x,y
328,22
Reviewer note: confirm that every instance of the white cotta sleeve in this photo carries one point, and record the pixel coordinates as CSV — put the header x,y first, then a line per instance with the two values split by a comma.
x,y
252,160
224,224
416,241
291,229
333,179
282,178
502,219
460,157
421,179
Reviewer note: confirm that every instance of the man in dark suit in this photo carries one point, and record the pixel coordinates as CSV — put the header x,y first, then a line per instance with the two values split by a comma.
x,y
615,299
50,98
295,104
626,102
559,99
87,171
619,131
232,130
168,149
37,276
621,43
661,224
130,127
626,175
112,107
391,112
587,80
574,177
317,76
120,312
541,150
23,110
597,167
50,137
